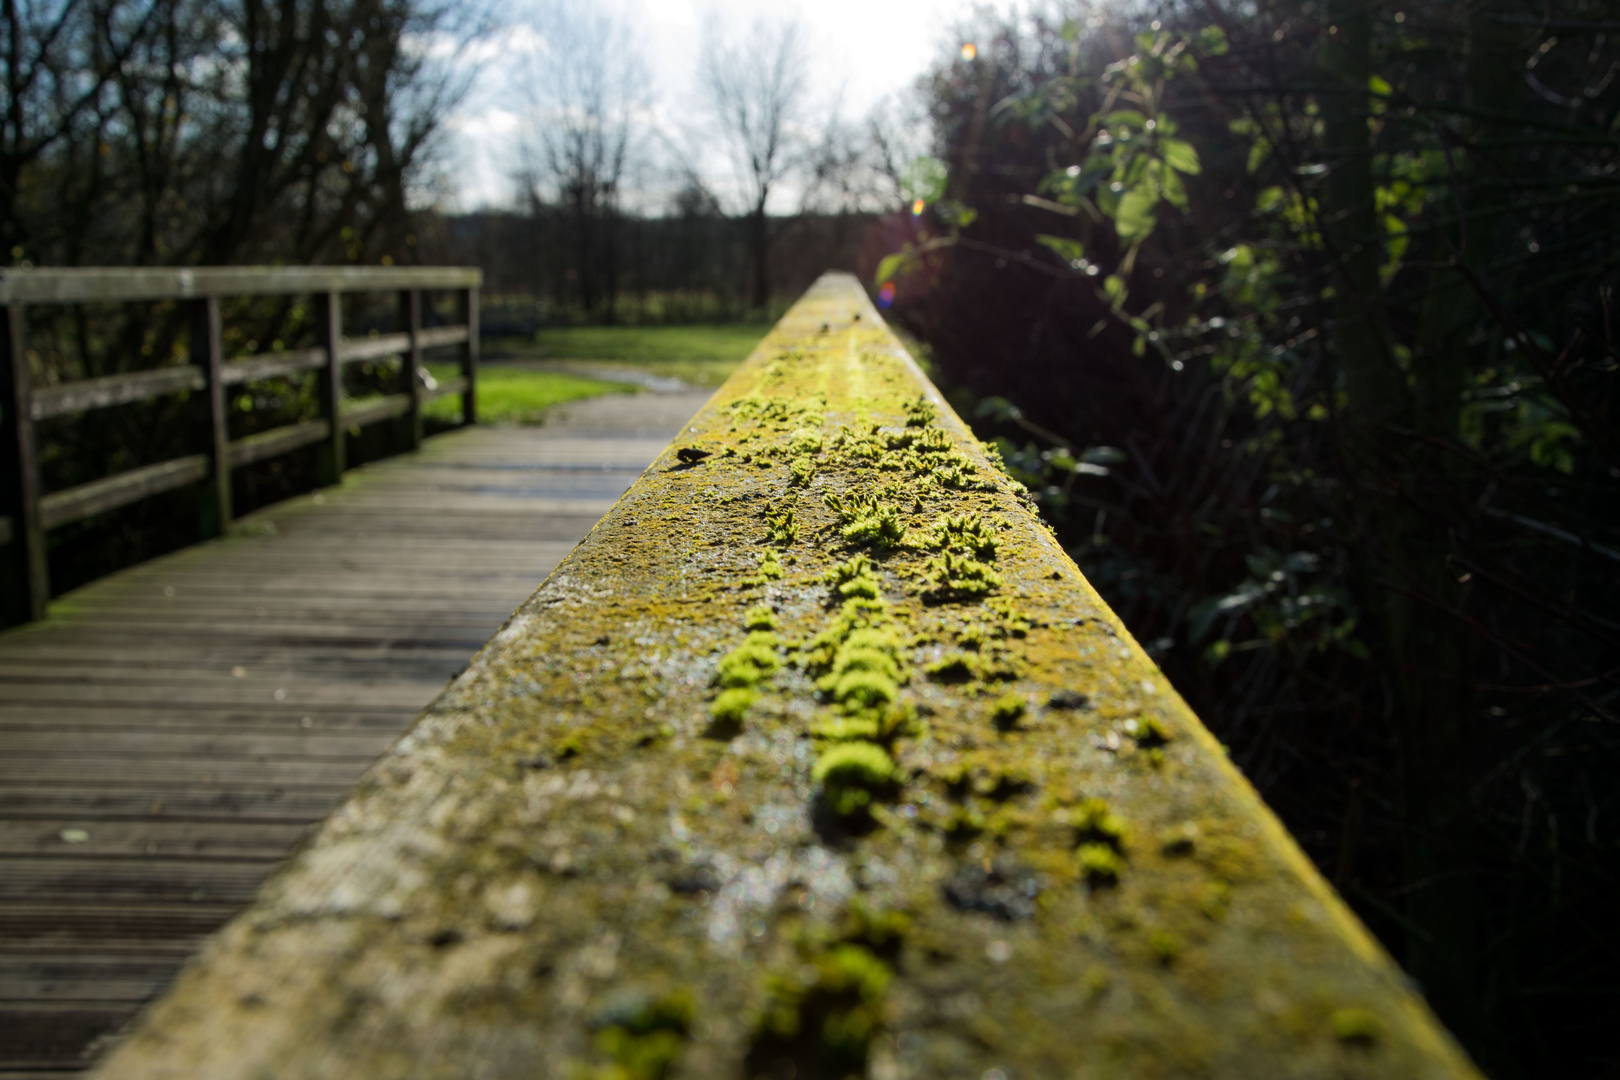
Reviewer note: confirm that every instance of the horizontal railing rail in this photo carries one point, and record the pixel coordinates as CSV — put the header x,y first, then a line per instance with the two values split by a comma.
x,y
27,512
817,757
114,284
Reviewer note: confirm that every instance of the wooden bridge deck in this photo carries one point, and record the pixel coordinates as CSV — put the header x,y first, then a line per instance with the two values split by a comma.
x,y
170,732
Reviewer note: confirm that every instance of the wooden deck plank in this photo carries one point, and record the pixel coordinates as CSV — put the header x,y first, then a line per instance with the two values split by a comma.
x,y
150,775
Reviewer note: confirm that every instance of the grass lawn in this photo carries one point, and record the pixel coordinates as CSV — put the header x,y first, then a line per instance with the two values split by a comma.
x,y
517,396
700,355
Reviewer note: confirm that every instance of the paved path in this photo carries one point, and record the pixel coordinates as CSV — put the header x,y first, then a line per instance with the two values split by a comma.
x,y
170,732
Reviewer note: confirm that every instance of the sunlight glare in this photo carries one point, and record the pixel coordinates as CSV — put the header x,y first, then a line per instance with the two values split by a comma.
x,y
969,50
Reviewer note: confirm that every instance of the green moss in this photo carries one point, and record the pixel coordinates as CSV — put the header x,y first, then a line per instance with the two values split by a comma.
x,y
1007,711
805,441
1214,898
822,1019
853,657
1355,1025
770,569
643,1036
955,578
955,668
1010,622
880,929
855,614
866,521
854,578
759,617
865,689
732,706
1095,823
1099,864
1166,945
920,412
993,452
934,440
965,533
1095,980
801,470
852,774
1180,840
781,527
847,728
749,663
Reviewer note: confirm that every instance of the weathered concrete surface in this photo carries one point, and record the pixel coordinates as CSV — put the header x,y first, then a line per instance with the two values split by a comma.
x,y
766,783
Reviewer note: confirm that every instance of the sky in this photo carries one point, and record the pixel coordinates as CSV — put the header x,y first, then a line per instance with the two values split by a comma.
x,y
860,52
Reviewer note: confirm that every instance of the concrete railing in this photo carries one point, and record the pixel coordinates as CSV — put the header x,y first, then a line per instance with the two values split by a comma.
x,y
27,512
818,757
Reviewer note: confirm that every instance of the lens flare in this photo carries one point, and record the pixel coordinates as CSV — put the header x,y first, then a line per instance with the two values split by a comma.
x,y
886,294
917,208
969,50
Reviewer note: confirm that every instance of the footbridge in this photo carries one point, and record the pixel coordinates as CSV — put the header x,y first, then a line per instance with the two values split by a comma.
x,y
816,757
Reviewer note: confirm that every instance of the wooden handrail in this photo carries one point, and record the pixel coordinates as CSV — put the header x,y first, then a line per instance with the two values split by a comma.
x,y
28,513
67,398
97,497
117,284
272,365
818,756
278,441
64,399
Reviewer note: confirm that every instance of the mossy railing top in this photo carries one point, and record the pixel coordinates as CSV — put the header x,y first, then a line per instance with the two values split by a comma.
x,y
817,757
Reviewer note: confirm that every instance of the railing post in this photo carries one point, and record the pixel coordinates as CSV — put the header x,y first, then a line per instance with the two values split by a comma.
x,y
207,350
25,584
469,356
410,312
329,312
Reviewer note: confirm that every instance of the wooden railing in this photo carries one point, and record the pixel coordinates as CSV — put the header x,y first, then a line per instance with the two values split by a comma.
x,y
818,756
27,512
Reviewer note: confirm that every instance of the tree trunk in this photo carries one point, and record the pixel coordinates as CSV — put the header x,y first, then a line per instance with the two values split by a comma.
x,y
758,243
1405,581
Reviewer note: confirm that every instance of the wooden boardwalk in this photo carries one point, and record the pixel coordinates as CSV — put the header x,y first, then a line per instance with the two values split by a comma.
x,y
170,732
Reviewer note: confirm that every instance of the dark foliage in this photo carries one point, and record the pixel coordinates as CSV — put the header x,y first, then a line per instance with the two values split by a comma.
x,y
1335,435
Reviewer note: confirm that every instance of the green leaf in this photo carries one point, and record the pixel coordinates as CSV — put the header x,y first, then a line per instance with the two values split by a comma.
x,y
1070,251
888,267
1180,156
1134,218
1126,118
923,178
1175,193
1379,86
1258,154
1212,41
1114,286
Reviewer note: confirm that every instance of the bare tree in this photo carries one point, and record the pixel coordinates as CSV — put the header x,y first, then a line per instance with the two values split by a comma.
x,y
898,131
215,131
756,89
588,92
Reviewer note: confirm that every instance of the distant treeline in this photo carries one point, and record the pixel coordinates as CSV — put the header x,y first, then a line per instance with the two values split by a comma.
x,y
676,269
